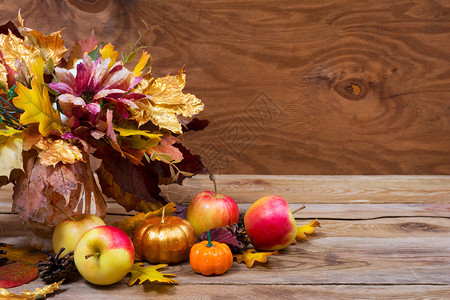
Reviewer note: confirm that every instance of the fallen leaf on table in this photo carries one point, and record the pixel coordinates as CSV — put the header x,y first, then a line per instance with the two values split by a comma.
x,y
129,224
250,256
309,228
221,235
27,295
151,273
17,273
26,254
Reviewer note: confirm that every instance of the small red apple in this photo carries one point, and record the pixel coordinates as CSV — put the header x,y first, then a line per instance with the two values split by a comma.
x,y
270,224
210,210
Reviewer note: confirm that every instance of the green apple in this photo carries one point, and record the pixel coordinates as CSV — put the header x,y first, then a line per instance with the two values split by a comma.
x,y
104,255
68,232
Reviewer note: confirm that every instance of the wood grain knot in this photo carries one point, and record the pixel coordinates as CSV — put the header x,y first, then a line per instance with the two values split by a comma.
x,y
353,89
90,6
414,226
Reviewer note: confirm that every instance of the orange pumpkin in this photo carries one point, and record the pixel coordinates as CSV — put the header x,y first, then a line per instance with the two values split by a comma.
x,y
210,257
164,240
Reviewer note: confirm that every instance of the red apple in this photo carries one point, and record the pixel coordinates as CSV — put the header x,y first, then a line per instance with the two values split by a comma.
x,y
210,210
104,255
270,224
68,232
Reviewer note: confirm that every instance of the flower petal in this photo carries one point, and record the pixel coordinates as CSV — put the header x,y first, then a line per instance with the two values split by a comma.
x,y
62,88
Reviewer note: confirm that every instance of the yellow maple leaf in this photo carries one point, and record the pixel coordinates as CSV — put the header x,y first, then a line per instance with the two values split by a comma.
x,y
129,224
166,102
55,151
27,295
143,62
250,256
107,51
309,228
36,103
11,144
151,273
26,254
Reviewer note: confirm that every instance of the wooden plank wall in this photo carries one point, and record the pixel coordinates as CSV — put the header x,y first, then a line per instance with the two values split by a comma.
x,y
291,87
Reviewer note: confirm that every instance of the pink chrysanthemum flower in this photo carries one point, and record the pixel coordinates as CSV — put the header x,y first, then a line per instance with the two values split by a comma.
x,y
95,84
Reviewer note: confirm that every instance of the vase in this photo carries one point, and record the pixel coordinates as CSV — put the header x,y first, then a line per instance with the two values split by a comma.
x,y
43,195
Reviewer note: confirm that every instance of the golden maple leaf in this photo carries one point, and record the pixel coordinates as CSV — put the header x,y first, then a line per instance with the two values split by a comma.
x,y
166,102
309,228
151,273
27,49
36,102
129,224
55,151
11,144
250,256
26,254
27,295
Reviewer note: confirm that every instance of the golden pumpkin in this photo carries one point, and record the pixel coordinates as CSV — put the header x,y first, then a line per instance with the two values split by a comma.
x,y
164,239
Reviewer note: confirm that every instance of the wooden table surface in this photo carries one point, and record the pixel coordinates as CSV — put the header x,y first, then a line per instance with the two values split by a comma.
x,y
381,237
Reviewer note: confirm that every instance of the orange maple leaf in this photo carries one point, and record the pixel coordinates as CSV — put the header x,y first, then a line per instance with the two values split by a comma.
x,y
250,256
309,228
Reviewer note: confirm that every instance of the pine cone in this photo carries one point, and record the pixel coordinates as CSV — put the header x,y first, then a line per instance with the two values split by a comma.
x,y
238,230
56,268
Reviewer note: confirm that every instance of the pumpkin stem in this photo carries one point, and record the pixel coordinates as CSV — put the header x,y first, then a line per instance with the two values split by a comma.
x,y
163,212
67,215
209,239
298,209
211,177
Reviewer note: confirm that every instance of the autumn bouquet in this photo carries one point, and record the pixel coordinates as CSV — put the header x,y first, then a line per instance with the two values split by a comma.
x,y
64,112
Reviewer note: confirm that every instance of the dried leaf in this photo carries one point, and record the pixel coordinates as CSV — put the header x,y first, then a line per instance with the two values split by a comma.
x,y
52,45
71,187
309,228
221,235
135,187
151,273
129,224
36,103
11,141
250,256
166,103
137,132
27,295
17,273
165,151
190,164
25,254
55,151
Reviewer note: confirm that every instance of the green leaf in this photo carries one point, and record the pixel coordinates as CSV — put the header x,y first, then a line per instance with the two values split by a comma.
x,y
94,54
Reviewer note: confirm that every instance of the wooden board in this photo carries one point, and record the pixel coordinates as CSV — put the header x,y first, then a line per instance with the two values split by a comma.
x,y
292,87
385,249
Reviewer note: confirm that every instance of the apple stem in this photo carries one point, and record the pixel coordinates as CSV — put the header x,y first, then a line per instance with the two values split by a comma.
x,y
92,254
299,209
211,177
67,215
209,245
